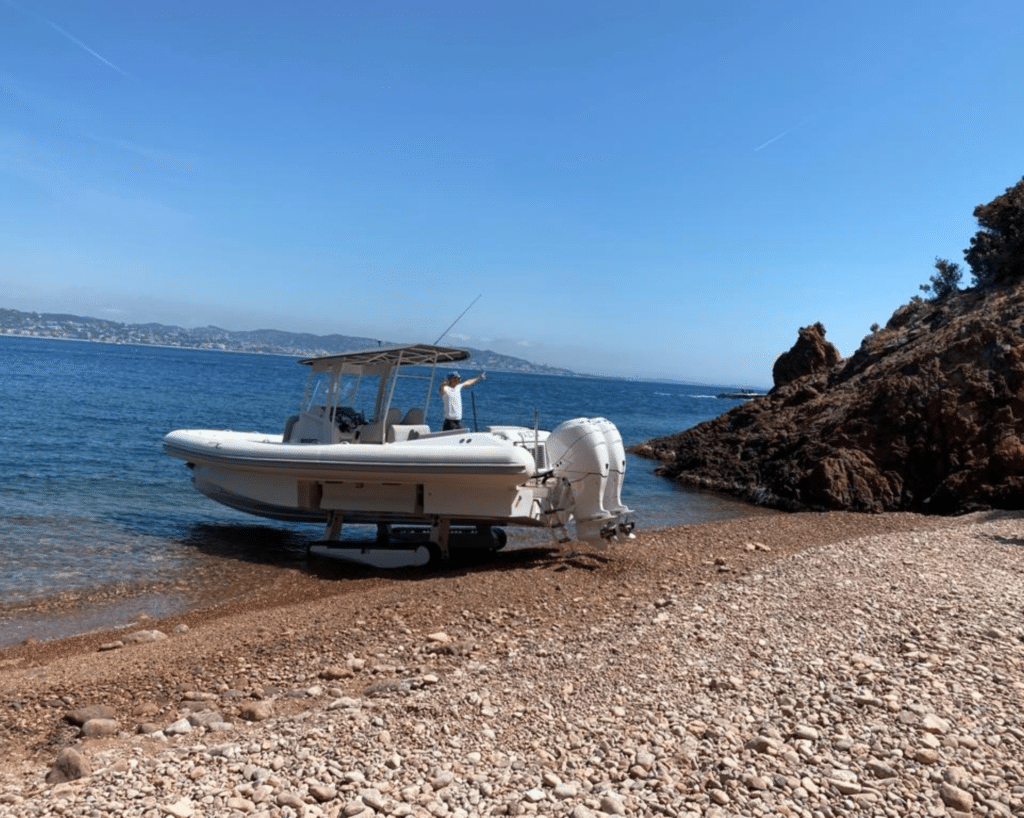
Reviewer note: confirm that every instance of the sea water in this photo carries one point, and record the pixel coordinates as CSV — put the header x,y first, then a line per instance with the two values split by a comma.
x,y
88,499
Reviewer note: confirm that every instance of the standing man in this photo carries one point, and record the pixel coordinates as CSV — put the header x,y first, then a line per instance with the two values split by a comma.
x,y
451,393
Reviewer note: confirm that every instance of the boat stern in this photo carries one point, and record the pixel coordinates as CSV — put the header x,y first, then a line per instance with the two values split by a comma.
x,y
587,455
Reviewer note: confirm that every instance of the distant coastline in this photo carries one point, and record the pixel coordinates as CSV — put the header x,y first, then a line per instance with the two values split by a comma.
x,y
64,327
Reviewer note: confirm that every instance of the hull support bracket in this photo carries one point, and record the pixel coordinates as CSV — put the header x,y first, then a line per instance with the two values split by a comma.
x,y
439,532
333,531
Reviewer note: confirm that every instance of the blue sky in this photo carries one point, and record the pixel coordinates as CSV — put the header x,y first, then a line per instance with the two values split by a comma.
x,y
664,189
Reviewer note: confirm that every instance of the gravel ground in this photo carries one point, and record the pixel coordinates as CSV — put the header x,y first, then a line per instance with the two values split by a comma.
x,y
793,665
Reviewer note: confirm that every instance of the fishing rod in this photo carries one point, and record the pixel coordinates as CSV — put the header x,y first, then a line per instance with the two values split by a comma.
x,y
439,337
453,323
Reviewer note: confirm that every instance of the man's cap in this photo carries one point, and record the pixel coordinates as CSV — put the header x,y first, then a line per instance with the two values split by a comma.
x,y
453,375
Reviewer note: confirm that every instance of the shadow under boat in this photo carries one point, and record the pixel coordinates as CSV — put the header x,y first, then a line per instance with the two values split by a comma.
x,y
408,555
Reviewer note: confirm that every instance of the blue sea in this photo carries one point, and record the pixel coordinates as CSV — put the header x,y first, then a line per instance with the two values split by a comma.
x,y
93,514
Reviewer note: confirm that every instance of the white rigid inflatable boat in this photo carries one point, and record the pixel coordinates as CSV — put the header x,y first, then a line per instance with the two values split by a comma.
x,y
334,465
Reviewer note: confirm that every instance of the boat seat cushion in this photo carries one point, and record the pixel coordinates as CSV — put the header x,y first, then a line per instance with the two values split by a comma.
x,y
377,431
410,431
414,417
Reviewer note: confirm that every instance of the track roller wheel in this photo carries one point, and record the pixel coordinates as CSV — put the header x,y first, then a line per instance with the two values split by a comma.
x,y
434,552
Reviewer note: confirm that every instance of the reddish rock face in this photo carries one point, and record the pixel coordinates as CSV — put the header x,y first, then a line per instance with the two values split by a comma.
x,y
810,355
927,416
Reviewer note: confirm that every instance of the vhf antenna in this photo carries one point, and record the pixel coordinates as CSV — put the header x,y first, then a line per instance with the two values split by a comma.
x,y
453,323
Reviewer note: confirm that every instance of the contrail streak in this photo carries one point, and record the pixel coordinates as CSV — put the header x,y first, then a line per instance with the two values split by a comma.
x,y
83,46
70,37
773,139
779,136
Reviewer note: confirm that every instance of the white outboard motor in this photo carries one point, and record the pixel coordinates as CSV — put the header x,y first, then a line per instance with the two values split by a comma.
x,y
579,453
616,474
616,466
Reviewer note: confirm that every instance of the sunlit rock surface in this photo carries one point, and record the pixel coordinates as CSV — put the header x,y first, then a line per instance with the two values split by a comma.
x,y
926,416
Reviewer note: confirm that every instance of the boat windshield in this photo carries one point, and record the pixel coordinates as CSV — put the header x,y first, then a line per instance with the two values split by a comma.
x,y
350,392
365,394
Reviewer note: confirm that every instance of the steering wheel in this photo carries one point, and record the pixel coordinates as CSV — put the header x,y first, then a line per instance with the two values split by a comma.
x,y
348,419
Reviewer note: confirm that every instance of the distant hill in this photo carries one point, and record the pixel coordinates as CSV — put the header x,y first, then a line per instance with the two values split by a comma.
x,y
268,341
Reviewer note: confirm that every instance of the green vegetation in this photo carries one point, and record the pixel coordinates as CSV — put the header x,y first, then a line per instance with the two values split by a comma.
x,y
946,279
996,253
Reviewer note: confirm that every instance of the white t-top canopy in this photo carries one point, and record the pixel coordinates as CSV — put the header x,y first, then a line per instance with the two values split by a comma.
x,y
383,359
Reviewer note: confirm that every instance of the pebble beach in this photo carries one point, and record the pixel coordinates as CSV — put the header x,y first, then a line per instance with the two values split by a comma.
x,y
812,665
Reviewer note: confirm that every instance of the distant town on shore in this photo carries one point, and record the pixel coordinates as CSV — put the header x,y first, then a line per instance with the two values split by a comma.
x,y
265,341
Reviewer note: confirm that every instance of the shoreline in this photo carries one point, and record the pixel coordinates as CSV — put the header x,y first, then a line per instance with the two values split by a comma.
x,y
220,577
783,643
536,369
280,587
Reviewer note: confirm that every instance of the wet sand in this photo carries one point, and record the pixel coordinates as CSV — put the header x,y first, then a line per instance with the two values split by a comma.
x,y
245,594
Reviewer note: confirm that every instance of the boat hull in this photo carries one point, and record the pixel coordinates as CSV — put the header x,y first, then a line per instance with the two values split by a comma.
x,y
466,476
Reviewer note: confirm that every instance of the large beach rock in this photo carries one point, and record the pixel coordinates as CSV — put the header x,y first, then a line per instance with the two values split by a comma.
x,y
927,416
810,355
70,765
80,715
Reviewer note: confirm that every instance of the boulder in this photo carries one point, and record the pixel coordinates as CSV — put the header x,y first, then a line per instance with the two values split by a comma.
x,y
257,711
69,765
100,728
927,416
80,715
810,355
142,637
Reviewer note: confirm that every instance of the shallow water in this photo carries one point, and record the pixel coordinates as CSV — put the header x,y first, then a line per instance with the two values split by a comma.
x,y
94,512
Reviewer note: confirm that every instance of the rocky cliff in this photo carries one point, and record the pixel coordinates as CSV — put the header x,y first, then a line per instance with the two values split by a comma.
x,y
926,416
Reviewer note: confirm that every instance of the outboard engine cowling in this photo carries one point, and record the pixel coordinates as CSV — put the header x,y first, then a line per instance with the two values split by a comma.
x,y
579,453
616,466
